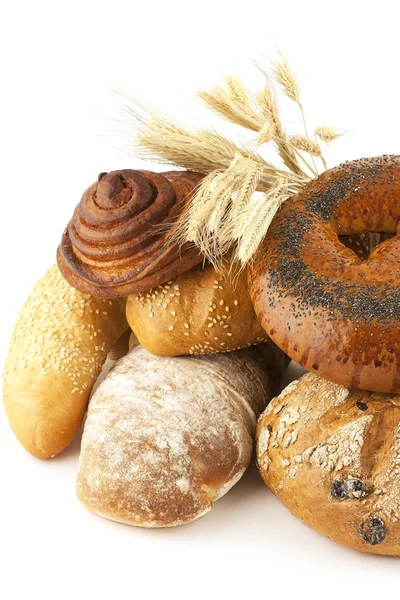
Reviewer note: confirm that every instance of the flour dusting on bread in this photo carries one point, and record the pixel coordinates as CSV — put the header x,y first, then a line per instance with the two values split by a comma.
x,y
166,437
332,456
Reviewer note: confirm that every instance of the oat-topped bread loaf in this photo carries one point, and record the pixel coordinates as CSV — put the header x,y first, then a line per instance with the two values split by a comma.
x,y
332,456
165,438
199,312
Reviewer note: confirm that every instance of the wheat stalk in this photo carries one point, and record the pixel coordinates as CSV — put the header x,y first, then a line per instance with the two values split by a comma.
x,y
328,134
237,90
305,145
222,104
256,220
224,214
286,79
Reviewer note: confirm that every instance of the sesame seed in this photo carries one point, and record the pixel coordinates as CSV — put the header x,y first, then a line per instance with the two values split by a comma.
x,y
186,333
170,328
186,325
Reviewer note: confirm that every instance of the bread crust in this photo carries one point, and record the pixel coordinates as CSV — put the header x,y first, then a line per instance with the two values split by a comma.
x,y
59,344
165,438
332,455
117,240
199,312
329,311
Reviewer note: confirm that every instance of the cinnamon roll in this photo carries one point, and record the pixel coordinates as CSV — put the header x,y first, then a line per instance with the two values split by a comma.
x,y
117,241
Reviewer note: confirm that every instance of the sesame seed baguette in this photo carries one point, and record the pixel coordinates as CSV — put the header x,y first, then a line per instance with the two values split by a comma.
x,y
199,312
58,347
332,455
165,438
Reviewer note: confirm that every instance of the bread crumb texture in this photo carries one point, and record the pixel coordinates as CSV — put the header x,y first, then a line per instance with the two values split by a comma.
x,y
332,455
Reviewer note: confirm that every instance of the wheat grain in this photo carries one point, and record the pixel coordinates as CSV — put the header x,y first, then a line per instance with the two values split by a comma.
x,y
219,101
283,75
266,133
305,145
256,221
236,90
327,134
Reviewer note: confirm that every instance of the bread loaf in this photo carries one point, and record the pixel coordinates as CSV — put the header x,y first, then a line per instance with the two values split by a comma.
x,y
199,312
165,438
332,456
60,342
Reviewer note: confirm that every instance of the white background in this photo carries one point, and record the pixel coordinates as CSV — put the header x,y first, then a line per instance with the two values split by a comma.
x,y
59,62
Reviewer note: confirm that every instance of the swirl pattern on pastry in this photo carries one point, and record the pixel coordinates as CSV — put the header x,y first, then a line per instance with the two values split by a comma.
x,y
117,240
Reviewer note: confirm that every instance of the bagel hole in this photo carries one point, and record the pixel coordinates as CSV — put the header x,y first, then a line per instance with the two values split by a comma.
x,y
363,244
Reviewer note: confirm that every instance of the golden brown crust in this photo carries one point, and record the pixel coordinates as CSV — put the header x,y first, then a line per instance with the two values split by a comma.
x,y
329,311
199,312
166,437
59,344
332,456
117,240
